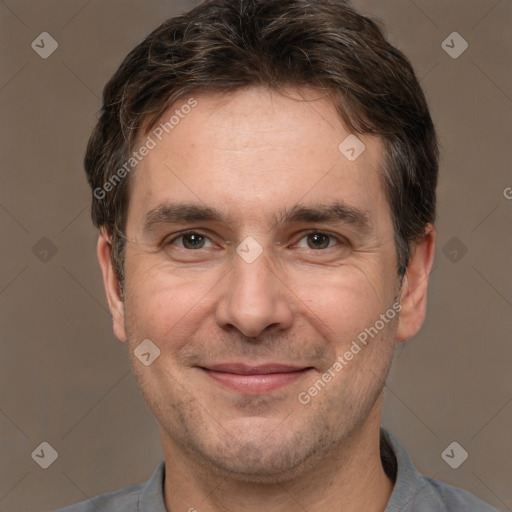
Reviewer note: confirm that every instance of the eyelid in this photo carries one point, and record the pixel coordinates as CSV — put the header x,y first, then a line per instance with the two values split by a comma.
x,y
339,238
176,236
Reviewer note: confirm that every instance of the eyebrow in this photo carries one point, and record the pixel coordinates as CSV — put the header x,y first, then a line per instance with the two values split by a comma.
x,y
335,213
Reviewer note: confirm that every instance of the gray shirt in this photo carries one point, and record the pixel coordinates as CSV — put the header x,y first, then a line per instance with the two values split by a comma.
x,y
412,492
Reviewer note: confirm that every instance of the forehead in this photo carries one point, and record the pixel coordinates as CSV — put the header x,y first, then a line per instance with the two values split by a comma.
x,y
254,151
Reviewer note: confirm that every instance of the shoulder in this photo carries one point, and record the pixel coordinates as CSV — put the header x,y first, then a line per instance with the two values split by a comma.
x,y
414,492
126,499
449,499
143,496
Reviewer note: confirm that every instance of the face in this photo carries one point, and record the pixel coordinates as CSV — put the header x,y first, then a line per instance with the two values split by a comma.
x,y
261,262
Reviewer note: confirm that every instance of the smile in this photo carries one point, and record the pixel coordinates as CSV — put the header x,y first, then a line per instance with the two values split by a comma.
x,y
255,380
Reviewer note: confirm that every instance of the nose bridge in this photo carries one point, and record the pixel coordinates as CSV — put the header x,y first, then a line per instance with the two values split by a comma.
x,y
253,297
253,279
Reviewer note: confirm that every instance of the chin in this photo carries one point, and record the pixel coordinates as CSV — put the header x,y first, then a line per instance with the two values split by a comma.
x,y
268,455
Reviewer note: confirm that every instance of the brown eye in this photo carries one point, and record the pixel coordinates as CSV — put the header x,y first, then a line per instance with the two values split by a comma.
x,y
191,240
318,241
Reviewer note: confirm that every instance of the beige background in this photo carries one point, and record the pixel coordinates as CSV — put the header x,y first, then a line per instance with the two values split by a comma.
x,y
65,379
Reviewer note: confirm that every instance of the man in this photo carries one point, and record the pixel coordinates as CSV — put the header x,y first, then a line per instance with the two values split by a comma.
x,y
263,178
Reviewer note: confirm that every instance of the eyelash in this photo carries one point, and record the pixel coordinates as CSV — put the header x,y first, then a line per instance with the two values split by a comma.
x,y
339,239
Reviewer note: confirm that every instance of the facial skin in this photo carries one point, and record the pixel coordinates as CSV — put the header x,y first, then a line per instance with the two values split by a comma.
x,y
255,156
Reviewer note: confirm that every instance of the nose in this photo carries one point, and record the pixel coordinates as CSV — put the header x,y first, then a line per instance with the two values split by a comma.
x,y
254,298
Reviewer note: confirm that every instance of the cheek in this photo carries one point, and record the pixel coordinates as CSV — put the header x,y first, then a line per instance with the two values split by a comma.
x,y
349,317
166,305
343,301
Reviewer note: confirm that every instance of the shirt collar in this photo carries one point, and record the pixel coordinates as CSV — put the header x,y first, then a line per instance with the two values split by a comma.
x,y
152,497
409,482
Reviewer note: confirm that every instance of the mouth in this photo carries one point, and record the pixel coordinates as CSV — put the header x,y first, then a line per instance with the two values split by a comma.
x,y
255,379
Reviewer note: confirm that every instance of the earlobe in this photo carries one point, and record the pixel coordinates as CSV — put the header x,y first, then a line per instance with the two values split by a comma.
x,y
415,286
111,283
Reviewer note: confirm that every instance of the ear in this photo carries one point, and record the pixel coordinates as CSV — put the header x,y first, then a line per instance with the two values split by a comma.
x,y
111,283
414,286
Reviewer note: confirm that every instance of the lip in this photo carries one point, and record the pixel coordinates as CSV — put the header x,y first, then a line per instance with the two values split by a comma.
x,y
255,379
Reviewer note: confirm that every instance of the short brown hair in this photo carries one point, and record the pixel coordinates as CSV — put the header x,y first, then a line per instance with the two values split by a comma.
x,y
224,45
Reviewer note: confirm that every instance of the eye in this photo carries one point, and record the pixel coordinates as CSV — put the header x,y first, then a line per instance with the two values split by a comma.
x,y
317,240
191,240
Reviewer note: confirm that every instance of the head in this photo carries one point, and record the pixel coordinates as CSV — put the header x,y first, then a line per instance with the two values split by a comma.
x,y
230,123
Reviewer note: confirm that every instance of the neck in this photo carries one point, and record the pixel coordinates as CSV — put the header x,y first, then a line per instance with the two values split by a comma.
x,y
350,479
